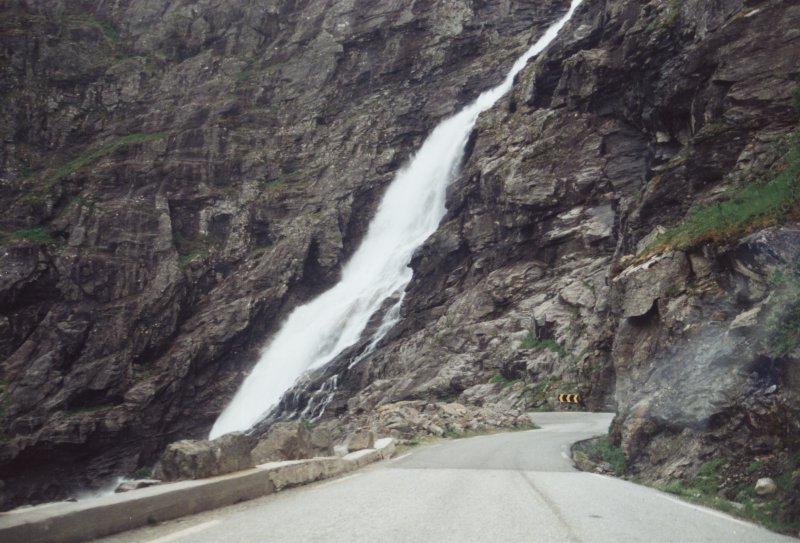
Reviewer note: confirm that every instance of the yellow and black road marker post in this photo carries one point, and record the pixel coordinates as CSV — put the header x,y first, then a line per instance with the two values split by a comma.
x,y
571,398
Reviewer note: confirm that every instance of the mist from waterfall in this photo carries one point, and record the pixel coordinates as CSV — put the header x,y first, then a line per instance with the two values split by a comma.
x,y
410,212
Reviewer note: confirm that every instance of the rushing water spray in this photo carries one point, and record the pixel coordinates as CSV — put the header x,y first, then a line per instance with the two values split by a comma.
x,y
314,334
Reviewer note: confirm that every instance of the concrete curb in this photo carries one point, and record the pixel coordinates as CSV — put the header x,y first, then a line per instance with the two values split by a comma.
x,y
73,522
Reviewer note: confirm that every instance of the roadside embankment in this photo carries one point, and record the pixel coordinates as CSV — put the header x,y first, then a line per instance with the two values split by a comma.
x,y
67,522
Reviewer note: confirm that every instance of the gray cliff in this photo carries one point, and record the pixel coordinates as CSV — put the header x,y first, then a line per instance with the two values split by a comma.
x,y
176,177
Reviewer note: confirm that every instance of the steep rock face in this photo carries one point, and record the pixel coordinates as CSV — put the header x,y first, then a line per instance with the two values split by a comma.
x,y
176,177
236,158
639,111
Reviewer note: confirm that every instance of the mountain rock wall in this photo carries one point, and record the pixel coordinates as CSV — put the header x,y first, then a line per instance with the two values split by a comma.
x,y
176,178
540,279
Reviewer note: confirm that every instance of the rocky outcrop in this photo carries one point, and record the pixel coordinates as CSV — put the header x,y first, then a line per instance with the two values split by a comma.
x,y
183,177
176,178
539,279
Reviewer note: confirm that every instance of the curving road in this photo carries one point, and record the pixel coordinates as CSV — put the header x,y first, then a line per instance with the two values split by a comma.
x,y
511,487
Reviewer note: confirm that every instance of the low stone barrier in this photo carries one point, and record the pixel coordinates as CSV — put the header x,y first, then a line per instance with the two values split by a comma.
x,y
73,522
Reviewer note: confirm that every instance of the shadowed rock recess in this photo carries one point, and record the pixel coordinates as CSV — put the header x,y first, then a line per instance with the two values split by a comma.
x,y
177,177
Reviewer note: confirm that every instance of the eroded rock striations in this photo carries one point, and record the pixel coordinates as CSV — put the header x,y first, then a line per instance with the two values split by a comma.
x,y
176,178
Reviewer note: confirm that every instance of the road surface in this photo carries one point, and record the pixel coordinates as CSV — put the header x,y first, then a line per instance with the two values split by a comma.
x,y
510,487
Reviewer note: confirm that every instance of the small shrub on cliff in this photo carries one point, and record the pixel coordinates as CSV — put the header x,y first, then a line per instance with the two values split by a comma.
x,y
783,322
531,343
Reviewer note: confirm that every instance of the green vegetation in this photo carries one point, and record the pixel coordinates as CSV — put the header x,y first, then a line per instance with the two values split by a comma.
x,y
755,206
108,31
704,484
531,343
275,184
665,18
673,13
783,321
144,472
704,488
107,148
258,252
673,291
500,378
190,249
272,68
52,176
35,235
184,260
539,392
601,449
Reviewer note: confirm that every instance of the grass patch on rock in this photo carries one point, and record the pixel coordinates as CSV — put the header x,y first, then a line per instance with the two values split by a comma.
x,y
745,209
707,488
105,27
34,235
750,208
530,342
704,489
50,177
107,148
599,454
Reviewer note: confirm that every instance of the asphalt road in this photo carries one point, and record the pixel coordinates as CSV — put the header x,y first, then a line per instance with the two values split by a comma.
x,y
509,487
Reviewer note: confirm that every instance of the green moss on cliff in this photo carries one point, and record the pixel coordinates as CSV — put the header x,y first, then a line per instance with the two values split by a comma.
x,y
105,27
107,148
51,176
752,207
35,235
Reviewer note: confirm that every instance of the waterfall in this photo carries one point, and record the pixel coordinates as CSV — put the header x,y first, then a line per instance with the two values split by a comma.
x,y
414,203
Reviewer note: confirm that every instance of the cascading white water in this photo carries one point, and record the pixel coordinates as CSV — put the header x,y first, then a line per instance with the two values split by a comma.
x,y
409,213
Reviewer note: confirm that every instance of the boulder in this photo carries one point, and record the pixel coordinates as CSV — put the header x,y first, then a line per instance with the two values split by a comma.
x,y
197,459
233,452
364,439
766,487
321,442
285,441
